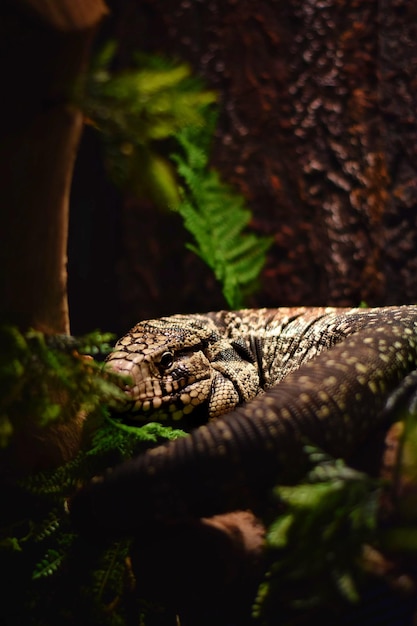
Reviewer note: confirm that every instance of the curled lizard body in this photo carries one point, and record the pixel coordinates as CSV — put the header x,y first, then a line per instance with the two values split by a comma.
x,y
222,359
325,376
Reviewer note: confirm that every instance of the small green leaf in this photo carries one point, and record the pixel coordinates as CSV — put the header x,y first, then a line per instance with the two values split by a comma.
x,y
49,565
10,544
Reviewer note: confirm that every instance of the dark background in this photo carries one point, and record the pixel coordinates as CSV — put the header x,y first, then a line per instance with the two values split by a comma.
x,y
318,130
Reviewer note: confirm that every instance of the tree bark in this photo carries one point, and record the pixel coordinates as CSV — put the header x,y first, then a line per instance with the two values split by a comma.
x,y
45,50
318,129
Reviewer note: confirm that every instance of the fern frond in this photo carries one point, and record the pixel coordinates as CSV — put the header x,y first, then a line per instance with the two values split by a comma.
x,y
337,504
56,483
49,565
51,379
151,432
108,576
48,527
150,102
50,549
134,110
249,265
217,217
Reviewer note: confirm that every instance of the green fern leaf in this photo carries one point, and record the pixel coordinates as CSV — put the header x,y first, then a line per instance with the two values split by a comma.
x,y
48,527
336,503
134,111
217,218
49,565
109,574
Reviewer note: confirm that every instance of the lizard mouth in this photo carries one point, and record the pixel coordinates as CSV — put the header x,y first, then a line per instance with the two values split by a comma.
x,y
174,400
148,397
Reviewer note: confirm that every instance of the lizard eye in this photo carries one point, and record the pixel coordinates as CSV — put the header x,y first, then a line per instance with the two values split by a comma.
x,y
166,360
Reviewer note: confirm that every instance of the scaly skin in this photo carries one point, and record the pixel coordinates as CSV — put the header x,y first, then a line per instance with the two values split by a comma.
x,y
223,358
345,365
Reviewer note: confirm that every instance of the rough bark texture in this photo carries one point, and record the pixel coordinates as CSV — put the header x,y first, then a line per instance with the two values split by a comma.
x,y
318,129
45,47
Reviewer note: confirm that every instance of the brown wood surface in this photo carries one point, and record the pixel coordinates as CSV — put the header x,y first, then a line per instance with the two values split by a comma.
x,y
44,49
318,129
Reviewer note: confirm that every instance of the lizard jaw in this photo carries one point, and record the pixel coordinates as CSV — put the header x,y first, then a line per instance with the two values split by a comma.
x,y
147,392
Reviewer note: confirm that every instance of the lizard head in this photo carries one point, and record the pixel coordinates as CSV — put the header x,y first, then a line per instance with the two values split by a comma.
x,y
174,364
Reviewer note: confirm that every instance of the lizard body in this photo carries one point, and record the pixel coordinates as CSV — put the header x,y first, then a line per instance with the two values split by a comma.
x,y
332,391
224,358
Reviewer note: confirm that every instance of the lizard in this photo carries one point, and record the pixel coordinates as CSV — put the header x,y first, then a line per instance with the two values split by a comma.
x,y
223,358
271,379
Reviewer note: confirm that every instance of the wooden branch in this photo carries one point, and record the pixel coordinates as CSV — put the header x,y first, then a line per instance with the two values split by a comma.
x,y
67,15
46,46
40,130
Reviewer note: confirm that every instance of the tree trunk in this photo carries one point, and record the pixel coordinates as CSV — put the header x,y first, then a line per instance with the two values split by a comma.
x,y
318,129
45,50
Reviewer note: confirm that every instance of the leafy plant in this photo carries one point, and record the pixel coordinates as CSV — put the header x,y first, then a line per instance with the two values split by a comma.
x,y
315,546
50,379
217,216
47,562
135,111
